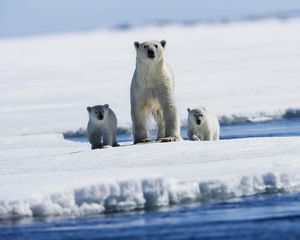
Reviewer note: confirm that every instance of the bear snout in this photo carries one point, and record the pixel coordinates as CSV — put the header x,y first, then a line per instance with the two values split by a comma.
x,y
151,53
198,121
100,117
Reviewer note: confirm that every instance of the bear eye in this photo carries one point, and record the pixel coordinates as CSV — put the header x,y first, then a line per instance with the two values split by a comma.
x,y
95,112
156,46
145,46
200,115
195,115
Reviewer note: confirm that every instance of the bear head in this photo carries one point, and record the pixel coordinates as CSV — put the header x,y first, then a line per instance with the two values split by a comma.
x,y
151,51
196,115
98,112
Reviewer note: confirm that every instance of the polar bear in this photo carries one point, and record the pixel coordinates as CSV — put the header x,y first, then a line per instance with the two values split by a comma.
x,y
203,125
102,124
152,92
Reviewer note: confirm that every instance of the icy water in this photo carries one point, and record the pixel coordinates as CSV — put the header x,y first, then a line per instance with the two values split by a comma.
x,y
258,217
275,128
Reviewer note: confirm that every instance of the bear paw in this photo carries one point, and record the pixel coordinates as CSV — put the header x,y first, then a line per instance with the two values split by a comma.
x,y
169,139
145,140
93,147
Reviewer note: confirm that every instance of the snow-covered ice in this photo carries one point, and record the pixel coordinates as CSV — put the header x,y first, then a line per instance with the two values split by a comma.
x,y
241,71
46,175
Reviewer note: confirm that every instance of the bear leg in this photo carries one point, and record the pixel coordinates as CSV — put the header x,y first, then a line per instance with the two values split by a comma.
x,y
107,138
158,116
95,140
115,143
139,122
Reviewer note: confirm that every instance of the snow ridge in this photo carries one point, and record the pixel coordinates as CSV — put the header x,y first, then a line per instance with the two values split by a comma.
x,y
144,194
290,113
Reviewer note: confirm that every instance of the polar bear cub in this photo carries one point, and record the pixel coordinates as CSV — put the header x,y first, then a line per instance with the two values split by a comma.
x,y
203,125
102,127
152,93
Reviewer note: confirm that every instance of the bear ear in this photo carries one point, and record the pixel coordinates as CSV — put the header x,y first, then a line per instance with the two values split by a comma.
x,y
163,43
106,106
89,109
136,45
188,109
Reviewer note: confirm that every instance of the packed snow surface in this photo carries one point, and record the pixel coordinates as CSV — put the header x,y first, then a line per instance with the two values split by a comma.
x,y
241,71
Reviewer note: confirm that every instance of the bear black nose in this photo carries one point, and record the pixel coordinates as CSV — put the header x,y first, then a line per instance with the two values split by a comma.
x,y
151,53
198,122
100,117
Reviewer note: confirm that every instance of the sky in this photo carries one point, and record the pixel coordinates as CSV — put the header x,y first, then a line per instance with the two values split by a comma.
x,y
19,17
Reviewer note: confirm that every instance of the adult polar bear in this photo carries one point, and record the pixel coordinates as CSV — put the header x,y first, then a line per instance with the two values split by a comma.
x,y
152,92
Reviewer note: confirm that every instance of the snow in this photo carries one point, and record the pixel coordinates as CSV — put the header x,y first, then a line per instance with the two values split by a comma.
x,y
241,71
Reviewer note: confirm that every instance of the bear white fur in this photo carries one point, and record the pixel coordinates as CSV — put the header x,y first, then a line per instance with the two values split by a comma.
x,y
102,127
152,92
203,125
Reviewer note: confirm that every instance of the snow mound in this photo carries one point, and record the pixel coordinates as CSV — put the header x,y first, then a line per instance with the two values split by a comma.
x,y
290,113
